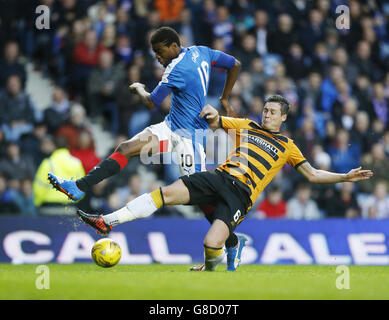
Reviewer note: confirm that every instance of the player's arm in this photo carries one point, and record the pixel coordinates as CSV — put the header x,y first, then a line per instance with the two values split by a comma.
x,y
216,121
232,65
322,176
139,89
232,75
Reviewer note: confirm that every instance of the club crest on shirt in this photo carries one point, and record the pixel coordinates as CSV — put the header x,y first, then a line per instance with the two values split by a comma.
x,y
195,55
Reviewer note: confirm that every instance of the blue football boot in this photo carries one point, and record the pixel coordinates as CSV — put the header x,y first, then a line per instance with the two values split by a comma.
x,y
67,187
234,253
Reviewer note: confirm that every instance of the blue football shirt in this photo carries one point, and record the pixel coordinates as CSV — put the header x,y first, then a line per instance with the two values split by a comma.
x,y
187,78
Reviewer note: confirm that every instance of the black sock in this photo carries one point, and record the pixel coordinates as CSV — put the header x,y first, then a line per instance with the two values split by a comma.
x,y
232,240
105,169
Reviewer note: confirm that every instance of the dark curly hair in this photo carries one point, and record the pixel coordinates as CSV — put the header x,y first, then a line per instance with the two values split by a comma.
x,y
165,35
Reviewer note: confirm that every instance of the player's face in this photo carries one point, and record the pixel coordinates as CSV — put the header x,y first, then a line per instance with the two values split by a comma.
x,y
272,117
165,54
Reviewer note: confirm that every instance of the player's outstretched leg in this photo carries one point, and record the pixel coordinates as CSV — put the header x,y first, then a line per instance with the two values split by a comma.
x,y
95,221
234,253
75,189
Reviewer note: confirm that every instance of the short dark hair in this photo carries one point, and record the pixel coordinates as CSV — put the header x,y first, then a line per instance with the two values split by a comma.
x,y
165,35
281,100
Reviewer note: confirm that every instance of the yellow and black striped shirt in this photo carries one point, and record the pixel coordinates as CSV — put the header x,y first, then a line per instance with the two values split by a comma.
x,y
258,154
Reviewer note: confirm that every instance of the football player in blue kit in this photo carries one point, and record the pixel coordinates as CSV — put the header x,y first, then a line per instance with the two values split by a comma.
x,y
186,78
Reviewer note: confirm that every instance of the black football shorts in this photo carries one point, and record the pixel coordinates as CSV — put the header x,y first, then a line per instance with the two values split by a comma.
x,y
229,196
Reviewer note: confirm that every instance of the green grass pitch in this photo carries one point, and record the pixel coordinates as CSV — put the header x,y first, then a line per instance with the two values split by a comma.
x,y
175,282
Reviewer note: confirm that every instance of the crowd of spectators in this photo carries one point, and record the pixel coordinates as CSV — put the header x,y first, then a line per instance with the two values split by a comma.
x,y
336,80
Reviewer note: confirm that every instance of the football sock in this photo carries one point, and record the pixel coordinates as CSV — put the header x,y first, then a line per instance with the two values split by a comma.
x,y
213,256
232,240
141,207
106,168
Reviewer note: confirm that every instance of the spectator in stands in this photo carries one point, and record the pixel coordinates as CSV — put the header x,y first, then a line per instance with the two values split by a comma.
x,y
186,28
306,137
345,154
344,204
260,30
328,87
132,190
11,65
86,152
377,205
347,119
24,199
70,10
46,148
313,32
101,87
169,11
125,25
30,143
17,112
380,105
340,58
362,60
255,109
85,57
273,206
7,197
320,59
283,37
343,94
124,51
127,102
377,161
16,165
61,162
58,112
247,51
362,91
361,131
247,88
301,206
108,37
223,27
295,60
385,141
258,75
310,90
72,130
322,193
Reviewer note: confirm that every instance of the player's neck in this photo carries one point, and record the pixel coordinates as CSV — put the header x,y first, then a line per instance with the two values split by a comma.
x,y
272,131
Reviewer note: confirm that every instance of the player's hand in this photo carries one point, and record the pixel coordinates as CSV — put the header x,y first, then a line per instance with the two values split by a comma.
x,y
208,112
211,115
358,174
135,87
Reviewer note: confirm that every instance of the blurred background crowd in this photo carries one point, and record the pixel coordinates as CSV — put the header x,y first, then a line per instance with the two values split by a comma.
x,y
337,82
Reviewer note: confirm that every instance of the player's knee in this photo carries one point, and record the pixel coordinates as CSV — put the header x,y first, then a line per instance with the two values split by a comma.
x,y
176,193
169,194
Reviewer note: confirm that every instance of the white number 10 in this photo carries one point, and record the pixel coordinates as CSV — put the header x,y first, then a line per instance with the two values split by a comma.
x,y
204,75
